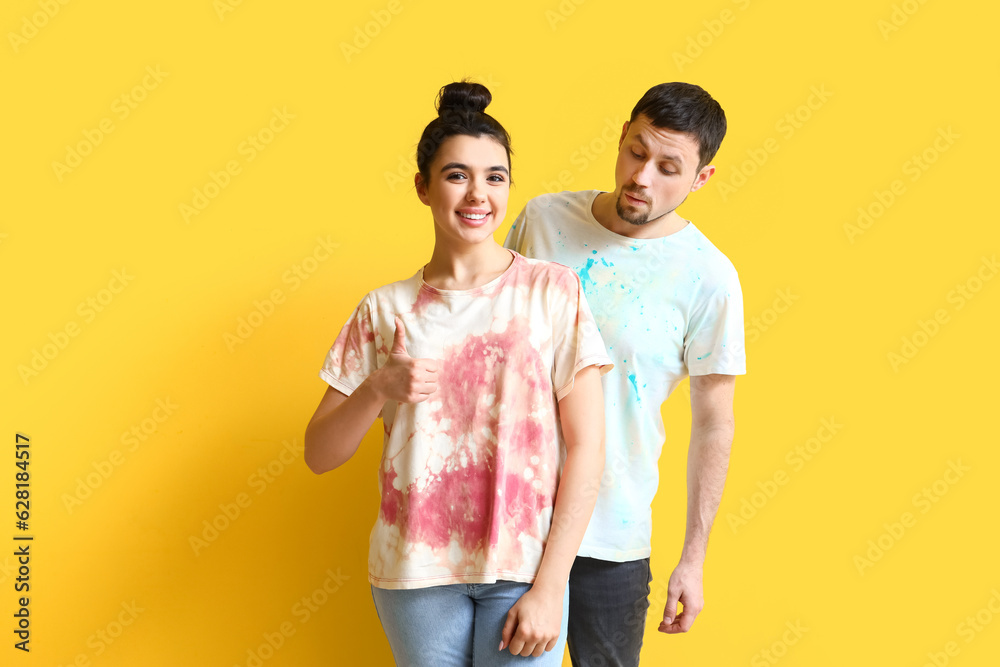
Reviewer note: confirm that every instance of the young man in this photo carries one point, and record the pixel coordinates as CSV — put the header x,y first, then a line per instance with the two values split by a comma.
x,y
668,304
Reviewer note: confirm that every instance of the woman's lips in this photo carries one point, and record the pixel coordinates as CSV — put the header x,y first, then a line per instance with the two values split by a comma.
x,y
476,221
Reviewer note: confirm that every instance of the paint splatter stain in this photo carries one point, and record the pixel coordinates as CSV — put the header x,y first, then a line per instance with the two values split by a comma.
x,y
635,387
585,274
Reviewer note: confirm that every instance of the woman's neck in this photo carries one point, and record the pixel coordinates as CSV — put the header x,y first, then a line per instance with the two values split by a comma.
x,y
466,268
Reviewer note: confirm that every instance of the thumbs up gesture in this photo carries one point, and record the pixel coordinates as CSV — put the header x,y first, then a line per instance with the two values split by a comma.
x,y
403,378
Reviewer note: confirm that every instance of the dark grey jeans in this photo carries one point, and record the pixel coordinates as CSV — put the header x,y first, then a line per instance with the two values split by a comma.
x,y
607,611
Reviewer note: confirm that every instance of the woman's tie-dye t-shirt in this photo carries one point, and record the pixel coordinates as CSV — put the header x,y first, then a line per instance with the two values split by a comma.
x,y
468,477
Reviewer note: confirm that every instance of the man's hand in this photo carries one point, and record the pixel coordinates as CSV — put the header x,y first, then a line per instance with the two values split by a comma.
x,y
684,586
533,623
403,378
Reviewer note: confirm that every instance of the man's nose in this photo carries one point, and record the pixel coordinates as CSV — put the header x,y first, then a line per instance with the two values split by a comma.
x,y
641,175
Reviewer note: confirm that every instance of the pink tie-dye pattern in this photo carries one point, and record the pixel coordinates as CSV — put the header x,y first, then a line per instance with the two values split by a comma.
x,y
393,506
424,297
562,282
349,349
456,504
480,496
468,478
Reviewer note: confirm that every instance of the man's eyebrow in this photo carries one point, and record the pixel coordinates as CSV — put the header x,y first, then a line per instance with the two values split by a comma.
x,y
464,167
673,157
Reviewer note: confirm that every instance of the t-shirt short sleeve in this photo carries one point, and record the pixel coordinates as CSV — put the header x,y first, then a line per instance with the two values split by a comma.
x,y
578,342
714,340
352,358
515,236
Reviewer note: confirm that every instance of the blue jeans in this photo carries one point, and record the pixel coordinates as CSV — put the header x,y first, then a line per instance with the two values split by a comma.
x,y
607,611
456,625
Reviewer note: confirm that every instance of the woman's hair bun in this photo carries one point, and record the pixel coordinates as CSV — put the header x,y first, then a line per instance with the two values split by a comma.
x,y
461,112
463,96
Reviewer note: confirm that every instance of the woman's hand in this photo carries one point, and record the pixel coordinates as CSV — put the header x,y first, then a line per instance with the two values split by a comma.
x,y
340,422
534,622
403,378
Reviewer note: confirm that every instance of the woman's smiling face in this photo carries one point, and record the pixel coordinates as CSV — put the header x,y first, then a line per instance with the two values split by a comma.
x,y
467,188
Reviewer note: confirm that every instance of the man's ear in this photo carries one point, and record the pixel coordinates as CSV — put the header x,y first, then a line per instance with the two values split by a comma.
x,y
421,186
702,177
624,132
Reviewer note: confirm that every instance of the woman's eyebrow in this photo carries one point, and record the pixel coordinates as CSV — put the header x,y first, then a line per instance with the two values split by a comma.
x,y
465,167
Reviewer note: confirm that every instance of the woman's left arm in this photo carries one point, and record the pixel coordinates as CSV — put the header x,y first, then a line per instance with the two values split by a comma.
x,y
534,622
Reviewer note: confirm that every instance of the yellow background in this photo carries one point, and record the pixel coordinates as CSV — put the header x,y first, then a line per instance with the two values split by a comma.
x,y
341,170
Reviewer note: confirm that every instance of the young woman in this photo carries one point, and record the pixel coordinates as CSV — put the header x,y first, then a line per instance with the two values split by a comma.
x,y
485,369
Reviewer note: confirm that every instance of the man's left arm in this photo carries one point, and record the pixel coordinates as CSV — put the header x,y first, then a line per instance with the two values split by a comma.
x,y
712,428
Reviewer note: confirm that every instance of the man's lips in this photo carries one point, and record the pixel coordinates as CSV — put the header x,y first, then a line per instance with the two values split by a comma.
x,y
635,201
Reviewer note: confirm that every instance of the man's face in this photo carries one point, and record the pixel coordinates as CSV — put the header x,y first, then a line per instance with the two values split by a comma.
x,y
656,170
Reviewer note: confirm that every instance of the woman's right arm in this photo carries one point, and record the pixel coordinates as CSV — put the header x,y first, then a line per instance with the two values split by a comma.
x,y
340,422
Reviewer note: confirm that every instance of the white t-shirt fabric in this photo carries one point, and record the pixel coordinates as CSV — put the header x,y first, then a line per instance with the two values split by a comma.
x,y
666,307
468,478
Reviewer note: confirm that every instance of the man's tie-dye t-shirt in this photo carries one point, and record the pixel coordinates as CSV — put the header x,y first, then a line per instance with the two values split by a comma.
x,y
468,477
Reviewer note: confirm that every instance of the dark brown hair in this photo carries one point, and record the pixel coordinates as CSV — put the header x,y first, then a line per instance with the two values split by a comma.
x,y
461,110
685,107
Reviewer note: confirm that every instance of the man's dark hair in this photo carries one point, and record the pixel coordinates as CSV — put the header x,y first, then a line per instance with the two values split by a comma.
x,y
685,107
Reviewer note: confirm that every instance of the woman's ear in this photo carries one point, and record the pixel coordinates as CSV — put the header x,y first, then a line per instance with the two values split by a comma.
x,y
421,186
